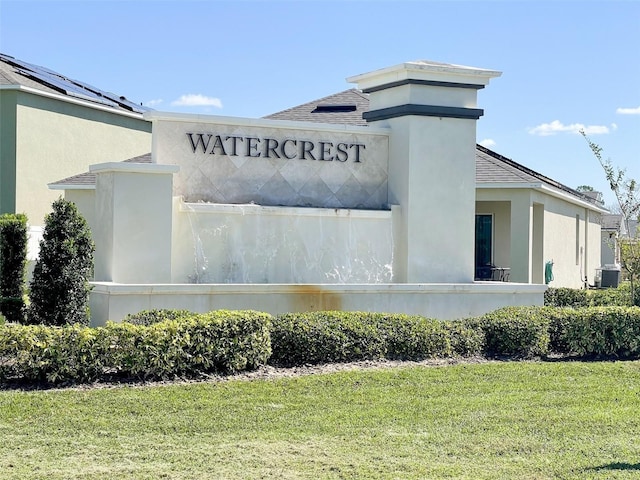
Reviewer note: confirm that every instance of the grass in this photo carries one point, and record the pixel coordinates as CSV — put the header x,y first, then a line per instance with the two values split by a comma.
x,y
524,420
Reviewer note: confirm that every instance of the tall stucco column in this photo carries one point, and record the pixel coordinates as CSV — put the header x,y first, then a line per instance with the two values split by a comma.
x,y
521,237
133,236
431,110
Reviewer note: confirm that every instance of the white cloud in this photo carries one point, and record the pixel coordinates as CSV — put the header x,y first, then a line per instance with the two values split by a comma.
x,y
154,103
555,127
628,111
193,100
487,142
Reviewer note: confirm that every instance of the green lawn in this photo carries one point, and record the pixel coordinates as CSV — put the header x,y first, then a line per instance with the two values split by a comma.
x,y
519,420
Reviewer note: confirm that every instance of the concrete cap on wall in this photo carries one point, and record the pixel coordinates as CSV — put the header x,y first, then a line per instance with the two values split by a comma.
x,y
133,168
425,70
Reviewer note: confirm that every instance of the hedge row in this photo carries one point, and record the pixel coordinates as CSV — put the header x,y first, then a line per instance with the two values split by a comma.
x,y
579,298
216,342
322,337
168,343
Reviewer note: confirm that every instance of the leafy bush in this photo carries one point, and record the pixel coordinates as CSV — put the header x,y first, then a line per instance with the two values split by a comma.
x,y
324,337
600,331
605,297
514,331
216,342
579,298
59,289
411,337
559,320
465,341
13,261
149,317
565,297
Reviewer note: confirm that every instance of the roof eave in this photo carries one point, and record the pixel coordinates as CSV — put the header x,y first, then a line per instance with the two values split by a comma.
x,y
63,98
546,189
70,186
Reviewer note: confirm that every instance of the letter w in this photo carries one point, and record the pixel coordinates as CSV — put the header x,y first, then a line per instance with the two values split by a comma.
x,y
199,141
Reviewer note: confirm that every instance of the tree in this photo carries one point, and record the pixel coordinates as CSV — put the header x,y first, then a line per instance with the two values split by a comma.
x,y
13,262
627,193
584,188
59,289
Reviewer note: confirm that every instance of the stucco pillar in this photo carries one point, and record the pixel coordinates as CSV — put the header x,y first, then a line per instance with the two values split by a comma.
x,y
431,110
521,237
133,236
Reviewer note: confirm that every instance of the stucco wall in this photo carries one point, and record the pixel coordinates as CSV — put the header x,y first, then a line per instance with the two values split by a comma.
x,y
56,139
85,201
533,227
7,151
575,252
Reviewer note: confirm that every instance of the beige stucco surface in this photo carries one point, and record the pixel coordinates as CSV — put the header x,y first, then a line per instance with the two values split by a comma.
x,y
540,228
111,301
55,140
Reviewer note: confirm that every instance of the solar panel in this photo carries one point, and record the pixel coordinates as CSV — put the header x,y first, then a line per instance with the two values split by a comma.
x,y
59,84
122,101
73,88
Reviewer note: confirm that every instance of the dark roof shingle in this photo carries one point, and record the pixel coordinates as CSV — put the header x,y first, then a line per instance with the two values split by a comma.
x,y
319,111
89,178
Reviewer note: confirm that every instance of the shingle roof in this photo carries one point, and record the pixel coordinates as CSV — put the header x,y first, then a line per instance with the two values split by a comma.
x,y
88,179
344,108
19,73
611,221
493,168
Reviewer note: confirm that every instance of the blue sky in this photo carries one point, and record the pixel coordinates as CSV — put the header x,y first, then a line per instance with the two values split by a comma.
x,y
566,64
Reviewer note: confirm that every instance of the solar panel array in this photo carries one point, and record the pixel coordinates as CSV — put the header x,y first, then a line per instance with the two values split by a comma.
x,y
72,88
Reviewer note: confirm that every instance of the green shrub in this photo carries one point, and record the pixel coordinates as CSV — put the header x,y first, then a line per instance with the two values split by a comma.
x,y
603,331
13,261
559,320
216,342
149,317
59,289
514,331
411,337
565,297
607,297
51,354
325,337
464,341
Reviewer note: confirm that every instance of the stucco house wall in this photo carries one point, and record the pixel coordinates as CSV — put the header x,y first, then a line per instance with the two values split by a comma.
x,y
533,226
52,139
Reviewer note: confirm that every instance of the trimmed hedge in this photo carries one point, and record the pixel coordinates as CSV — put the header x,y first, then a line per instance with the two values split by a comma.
x,y
565,297
216,342
172,343
579,298
150,317
324,337
597,331
13,262
333,336
514,331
